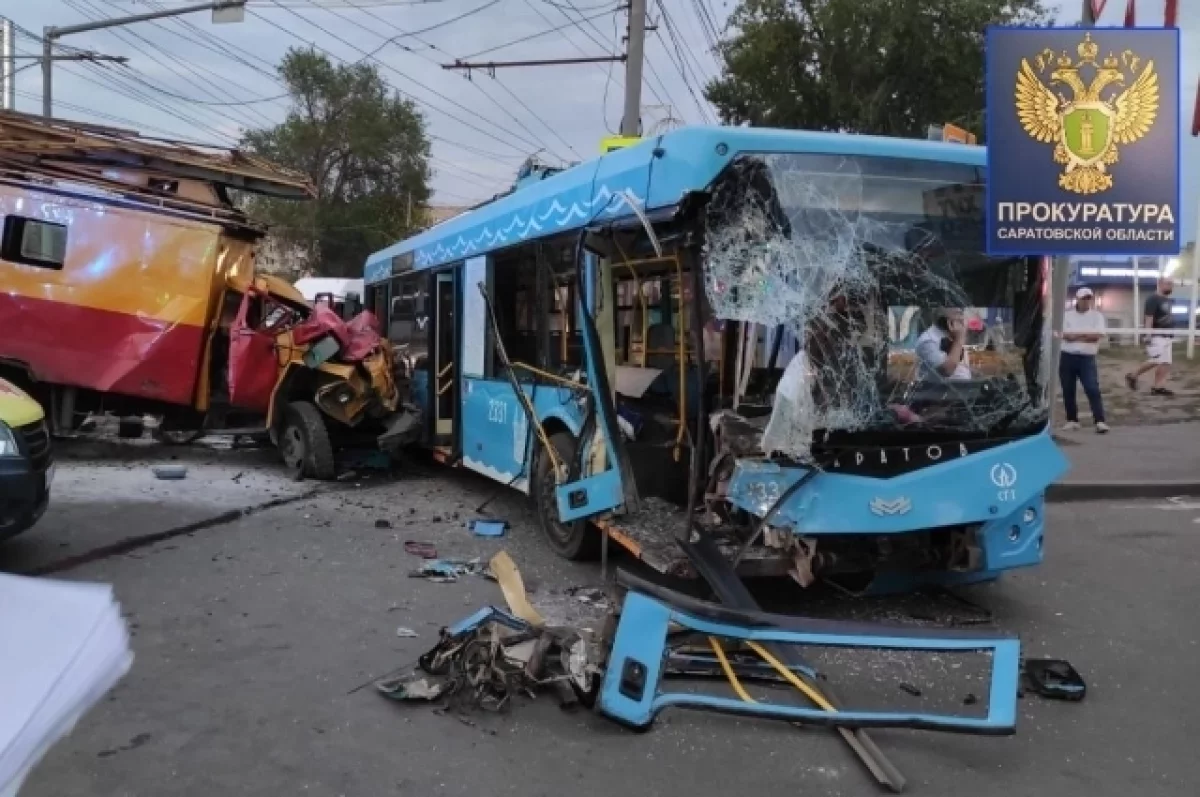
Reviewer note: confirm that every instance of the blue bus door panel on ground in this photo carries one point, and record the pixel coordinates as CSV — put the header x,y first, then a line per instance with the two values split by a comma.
x,y
631,691
604,491
1001,488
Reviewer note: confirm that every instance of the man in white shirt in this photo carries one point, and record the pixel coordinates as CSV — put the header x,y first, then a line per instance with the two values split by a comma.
x,y
941,349
1083,328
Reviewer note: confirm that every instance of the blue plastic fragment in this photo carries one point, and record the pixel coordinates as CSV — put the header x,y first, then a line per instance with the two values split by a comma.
x,y
489,528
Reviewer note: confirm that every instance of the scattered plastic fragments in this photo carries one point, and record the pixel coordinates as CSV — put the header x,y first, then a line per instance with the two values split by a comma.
x,y
444,571
406,633
425,550
489,527
910,689
383,524
1054,678
170,472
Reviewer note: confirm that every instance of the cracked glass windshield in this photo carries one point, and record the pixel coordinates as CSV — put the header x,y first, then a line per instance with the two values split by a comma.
x,y
873,270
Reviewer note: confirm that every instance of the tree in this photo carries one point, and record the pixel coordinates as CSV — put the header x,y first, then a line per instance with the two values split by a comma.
x,y
365,150
888,67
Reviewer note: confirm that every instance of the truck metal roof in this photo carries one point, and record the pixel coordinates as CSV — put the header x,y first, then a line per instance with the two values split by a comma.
x,y
655,174
56,146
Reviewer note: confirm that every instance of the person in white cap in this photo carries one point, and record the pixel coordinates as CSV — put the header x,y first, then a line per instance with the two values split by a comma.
x,y
1083,328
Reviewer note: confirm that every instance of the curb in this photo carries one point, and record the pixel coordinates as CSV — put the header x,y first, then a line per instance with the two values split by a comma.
x,y
1064,492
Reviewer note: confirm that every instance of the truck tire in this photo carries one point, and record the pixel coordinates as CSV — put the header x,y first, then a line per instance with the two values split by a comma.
x,y
304,442
576,541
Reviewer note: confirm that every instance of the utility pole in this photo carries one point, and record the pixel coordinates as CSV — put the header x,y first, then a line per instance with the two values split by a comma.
x,y
635,51
222,11
633,58
8,66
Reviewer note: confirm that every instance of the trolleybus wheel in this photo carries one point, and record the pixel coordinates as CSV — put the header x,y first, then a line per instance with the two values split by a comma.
x,y
576,540
304,442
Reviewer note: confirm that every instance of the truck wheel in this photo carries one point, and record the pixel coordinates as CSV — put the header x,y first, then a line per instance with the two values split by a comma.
x,y
577,540
304,442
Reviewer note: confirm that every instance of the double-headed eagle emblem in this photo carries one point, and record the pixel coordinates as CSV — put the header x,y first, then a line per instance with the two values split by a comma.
x,y
1087,127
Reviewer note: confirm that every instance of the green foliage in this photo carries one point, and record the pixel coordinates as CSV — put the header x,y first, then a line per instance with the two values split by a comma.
x,y
365,150
888,67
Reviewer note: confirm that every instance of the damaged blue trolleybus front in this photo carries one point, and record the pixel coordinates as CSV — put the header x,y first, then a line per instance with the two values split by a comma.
x,y
790,344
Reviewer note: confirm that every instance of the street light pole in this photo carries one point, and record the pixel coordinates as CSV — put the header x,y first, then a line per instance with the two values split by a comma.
x,y
51,34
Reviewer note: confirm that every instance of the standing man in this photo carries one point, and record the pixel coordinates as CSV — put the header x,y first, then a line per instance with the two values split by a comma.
x,y
1158,348
1083,328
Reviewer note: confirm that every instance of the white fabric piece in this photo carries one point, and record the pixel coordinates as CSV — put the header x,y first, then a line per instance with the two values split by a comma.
x,y
788,429
65,645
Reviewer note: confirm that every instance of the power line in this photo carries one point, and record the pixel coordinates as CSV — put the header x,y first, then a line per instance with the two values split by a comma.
x,y
683,66
426,103
148,48
518,122
114,84
133,124
530,37
241,55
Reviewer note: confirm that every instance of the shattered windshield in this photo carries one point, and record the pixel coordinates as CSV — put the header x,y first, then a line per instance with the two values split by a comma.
x,y
873,269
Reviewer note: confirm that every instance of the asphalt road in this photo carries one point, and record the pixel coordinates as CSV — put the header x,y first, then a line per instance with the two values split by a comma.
x,y
251,635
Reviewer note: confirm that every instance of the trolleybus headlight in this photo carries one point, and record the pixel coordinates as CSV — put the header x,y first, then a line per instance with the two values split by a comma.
x,y
1030,514
1014,534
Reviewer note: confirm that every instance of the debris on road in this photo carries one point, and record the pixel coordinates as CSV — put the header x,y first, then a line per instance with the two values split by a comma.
x,y
425,550
170,472
486,659
910,689
593,596
406,633
383,524
444,571
506,573
489,527
1054,678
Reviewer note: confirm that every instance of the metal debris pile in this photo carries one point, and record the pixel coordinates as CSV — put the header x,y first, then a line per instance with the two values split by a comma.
x,y
492,656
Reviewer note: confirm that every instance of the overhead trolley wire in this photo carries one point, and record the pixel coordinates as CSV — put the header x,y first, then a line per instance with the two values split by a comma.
x,y
425,103
248,117
519,101
683,66
241,55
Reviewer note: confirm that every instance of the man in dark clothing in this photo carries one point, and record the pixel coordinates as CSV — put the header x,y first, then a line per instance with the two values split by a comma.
x,y
1158,347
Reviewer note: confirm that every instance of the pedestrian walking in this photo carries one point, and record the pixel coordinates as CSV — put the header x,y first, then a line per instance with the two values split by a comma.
x,y
1083,328
1158,347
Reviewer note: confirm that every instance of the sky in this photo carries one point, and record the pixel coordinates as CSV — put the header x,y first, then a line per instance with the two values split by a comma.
x,y
182,73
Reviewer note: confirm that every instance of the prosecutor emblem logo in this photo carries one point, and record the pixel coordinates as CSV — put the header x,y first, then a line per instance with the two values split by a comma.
x,y
1082,141
1087,108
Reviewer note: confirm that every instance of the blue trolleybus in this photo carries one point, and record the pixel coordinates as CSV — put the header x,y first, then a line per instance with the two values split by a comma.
x,y
787,345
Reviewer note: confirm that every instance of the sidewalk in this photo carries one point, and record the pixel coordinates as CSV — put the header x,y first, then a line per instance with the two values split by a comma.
x,y
1147,461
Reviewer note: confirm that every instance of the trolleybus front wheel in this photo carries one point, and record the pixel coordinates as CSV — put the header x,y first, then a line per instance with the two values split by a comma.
x,y
576,540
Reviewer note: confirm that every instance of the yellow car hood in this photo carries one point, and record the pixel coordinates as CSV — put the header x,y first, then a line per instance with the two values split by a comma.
x,y
16,407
